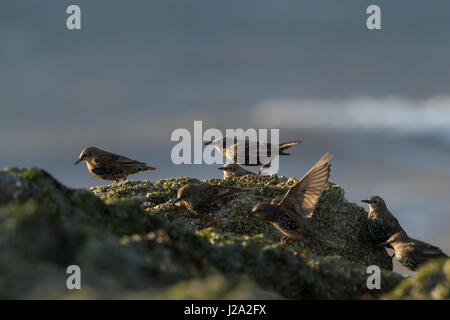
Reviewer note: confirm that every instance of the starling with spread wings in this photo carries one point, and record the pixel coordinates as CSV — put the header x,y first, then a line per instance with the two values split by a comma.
x,y
287,213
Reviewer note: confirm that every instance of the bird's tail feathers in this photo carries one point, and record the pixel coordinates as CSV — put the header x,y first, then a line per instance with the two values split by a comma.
x,y
229,192
239,191
145,168
287,145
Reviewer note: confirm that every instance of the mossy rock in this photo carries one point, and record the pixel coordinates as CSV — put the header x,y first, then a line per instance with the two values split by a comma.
x,y
342,222
431,281
131,241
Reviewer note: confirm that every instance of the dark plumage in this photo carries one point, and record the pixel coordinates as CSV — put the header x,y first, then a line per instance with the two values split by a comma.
x,y
412,253
231,170
204,199
109,166
286,213
382,223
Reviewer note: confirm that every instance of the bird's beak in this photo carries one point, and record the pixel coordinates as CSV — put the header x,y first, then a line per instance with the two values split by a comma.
x,y
256,214
384,244
367,201
207,143
176,200
77,162
224,168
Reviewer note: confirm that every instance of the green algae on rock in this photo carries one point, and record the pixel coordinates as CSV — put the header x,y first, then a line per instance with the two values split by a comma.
x,y
131,241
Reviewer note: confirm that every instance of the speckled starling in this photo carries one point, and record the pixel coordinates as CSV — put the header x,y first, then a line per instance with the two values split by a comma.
x,y
382,223
204,199
231,170
109,166
251,149
286,214
412,253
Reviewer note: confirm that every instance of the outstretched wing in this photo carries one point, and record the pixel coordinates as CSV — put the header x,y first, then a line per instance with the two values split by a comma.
x,y
303,196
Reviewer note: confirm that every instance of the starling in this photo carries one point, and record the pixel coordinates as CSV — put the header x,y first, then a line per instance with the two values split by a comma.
x,y
252,151
286,214
382,223
110,166
231,170
412,253
204,199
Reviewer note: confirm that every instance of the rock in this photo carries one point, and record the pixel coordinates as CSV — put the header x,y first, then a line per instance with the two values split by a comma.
x,y
344,223
131,241
215,287
431,281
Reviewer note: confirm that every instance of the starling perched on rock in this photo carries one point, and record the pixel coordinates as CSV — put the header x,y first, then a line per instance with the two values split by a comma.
x,y
286,214
382,223
253,151
412,253
231,170
109,166
204,199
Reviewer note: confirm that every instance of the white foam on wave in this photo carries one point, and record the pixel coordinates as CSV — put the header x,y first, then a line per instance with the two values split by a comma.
x,y
428,117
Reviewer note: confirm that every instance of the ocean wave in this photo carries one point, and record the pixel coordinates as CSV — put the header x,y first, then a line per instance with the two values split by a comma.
x,y
427,117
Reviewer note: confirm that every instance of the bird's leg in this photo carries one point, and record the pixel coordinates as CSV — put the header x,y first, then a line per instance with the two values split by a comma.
x,y
286,239
209,223
257,176
259,173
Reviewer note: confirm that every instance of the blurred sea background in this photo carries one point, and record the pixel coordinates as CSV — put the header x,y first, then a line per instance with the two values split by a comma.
x,y
378,100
